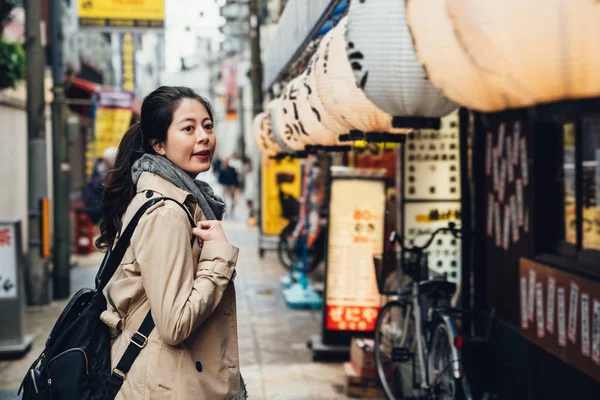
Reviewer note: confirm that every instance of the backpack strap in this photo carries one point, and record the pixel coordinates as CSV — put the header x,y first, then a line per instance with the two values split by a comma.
x,y
137,342
113,257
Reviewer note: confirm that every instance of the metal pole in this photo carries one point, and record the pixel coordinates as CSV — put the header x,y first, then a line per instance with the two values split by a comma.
x,y
61,167
242,138
256,71
37,284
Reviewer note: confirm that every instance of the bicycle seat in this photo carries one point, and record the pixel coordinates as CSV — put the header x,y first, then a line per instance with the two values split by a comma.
x,y
443,288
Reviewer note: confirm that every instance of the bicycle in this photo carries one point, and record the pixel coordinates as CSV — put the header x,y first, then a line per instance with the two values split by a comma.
x,y
288,247
417,341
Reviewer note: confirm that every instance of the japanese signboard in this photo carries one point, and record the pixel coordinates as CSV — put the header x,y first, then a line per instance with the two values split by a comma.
x,y
113,116
231,95
421,220
126,14
127,61
8,262
576,337
356,230
276,176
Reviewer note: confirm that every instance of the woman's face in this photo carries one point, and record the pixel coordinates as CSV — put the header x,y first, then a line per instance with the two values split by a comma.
x,y
190,140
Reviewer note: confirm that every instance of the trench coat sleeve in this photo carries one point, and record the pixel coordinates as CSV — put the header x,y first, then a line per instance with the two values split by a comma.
x,y
181,294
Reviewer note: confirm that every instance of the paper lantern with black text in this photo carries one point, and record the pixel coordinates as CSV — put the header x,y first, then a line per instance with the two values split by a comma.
x,y
337,89
288,126
278,116
385,65
263,135
316,105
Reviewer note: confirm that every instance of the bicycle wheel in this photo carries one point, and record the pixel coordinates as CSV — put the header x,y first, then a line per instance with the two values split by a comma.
x,y
285,247
444,359
394,350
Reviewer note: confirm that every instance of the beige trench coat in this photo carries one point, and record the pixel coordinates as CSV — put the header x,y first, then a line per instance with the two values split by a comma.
x,y
192,353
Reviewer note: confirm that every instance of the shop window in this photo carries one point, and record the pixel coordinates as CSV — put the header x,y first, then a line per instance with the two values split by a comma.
x,y
591,184
570,220
580,183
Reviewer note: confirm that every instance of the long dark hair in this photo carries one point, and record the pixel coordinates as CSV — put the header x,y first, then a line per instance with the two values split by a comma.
x,y
157,114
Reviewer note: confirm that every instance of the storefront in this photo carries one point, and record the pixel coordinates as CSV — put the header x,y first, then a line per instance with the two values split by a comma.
x,y
500,126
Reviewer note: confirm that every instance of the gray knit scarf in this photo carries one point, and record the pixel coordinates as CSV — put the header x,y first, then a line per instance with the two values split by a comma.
x,y
211,205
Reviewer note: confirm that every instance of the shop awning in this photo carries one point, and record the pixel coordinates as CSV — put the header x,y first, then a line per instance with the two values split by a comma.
x,y
79,96
300,22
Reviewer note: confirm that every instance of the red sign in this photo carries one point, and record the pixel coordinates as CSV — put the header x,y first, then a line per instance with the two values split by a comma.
x,y
5,237
351,318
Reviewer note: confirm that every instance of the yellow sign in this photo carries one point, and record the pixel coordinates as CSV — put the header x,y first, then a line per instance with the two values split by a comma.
x,y
272,221
122,13
128,56
111,124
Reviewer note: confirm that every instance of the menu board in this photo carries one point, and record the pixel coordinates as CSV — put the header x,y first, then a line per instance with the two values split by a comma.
x,y
356,233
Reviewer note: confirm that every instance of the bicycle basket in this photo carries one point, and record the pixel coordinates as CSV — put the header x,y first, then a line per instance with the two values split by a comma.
x,y
389,275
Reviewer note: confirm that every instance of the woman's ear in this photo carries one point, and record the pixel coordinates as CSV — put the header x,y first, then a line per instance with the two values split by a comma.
x,y
158,147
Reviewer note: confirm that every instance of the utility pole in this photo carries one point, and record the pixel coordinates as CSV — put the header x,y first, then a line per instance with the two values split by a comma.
x,y
37,283
60,162
256,71
241,116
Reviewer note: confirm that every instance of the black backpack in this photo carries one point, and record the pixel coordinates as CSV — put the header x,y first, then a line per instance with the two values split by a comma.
x,y
76,362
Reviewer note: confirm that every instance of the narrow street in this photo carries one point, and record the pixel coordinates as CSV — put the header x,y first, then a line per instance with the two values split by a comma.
x,y
275,362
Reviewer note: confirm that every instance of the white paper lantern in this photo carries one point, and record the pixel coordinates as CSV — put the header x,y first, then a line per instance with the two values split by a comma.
x,y
315,103
534,51
309,118
337,89
278,125
263,135
447,64
385,65
286,119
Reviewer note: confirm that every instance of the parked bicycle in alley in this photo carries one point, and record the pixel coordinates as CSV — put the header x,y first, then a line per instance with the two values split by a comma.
x,y
417,340
289,250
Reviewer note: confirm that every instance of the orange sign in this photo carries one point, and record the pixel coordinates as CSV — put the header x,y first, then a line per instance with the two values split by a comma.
x,y
356,230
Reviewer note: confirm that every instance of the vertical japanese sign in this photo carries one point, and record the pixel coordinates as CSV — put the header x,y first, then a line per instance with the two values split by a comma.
x,y
127,61
230,99
8,262
113,115
276,176
356,230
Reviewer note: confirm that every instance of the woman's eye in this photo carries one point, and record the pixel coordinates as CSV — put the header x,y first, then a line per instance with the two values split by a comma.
x,y
188,128
208,127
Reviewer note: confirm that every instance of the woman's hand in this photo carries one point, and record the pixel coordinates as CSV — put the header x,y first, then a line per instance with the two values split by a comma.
x,y
207,231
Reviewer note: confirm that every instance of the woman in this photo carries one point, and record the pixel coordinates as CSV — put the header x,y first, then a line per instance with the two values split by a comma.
x,y
192,352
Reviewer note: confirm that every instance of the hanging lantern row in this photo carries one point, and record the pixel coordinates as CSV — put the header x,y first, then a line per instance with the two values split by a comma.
x,y
492,56
363,82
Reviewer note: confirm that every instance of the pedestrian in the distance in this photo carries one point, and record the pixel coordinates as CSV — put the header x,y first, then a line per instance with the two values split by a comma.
x,y
228,178
183,276
92,190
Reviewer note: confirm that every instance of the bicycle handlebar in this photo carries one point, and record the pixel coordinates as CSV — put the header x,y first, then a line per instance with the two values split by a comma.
x,y
395,238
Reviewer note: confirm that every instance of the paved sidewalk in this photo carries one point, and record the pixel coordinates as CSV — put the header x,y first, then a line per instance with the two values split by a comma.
x,y
275,361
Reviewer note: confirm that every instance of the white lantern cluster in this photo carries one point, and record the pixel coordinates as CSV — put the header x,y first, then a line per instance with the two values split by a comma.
x,y
385,64
492,56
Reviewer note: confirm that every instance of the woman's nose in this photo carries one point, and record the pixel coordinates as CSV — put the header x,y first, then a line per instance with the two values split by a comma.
x,y
201,135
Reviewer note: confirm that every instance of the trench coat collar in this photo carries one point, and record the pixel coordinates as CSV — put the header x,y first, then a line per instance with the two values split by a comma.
x,y
150,181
